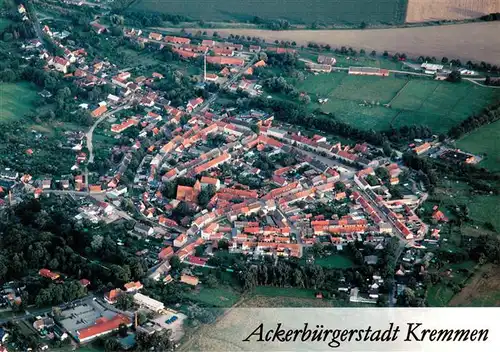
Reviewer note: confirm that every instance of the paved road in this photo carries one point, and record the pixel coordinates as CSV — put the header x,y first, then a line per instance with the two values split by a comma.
x,y
227,84
392,296
346,172
98,196
382,215
91,130
475,81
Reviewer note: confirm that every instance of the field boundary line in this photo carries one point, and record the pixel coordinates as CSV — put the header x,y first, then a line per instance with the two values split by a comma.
x,y
458,101
398,93
427,97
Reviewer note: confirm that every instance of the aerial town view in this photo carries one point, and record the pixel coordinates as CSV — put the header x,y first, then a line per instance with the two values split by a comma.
x,y
165,163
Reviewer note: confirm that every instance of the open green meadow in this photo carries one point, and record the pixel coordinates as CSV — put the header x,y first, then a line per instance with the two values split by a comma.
x,y
224,297
440,295
335,261
322,11
379,102
483,208
484,141
16,99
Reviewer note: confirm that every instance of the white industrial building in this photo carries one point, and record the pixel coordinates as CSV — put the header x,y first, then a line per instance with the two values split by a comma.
x,y
148,302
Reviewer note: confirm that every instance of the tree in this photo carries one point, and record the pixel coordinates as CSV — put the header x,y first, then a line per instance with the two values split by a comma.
x,y
175,263
123,330
340,186
455,76
373,53
386,148
125,302
223,245
305,99
159,341
110,344
210,281
142,317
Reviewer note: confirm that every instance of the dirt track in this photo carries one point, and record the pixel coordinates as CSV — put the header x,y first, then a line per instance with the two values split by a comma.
x,y
434,10
471,41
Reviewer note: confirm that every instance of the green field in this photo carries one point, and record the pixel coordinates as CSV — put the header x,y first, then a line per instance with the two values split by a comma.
x,y
336,261
16,99
441,294
484,141
361,100
482,207
302,11
215,297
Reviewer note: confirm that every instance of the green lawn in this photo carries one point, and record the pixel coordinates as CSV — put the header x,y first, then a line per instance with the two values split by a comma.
x,y
216,297
323,11
439,295
284,292
361,100
484,141
335,261
16,99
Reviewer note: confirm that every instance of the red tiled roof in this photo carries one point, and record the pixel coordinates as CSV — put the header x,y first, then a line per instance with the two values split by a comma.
x,y
103,325
185,53
178,40
99,111
222,60
209,180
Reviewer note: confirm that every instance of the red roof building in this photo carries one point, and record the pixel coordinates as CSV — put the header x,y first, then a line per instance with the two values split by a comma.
x,y
102,326
99,111
222,60
166,253
48,274
177,40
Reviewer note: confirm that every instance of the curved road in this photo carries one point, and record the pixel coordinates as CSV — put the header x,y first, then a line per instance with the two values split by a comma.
x,y
91,130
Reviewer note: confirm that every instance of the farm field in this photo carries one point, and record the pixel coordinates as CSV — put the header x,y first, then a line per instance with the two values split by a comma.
x,y
325,11
484,141
470,41
432,10
16,99
216,337
482,290
360,100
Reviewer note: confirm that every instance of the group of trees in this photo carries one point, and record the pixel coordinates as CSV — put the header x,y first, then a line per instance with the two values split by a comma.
x,y
58,293
494,16
280,85
492,81
43,234
294,274
489,115
140,19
